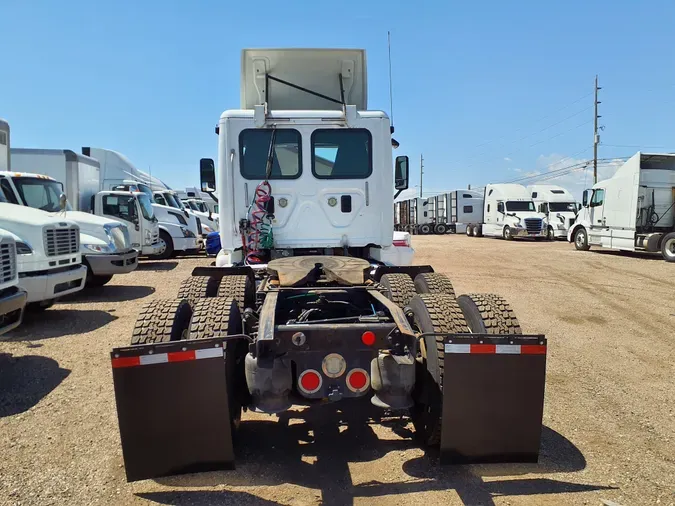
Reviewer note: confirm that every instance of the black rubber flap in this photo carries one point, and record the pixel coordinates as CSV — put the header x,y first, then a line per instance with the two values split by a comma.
x,y
172,408
493,398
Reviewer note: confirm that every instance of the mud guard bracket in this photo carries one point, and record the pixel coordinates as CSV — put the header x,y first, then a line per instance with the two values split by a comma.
x,y
493,398
172,408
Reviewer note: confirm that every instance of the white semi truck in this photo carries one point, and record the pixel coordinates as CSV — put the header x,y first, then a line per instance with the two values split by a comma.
x,y
632,211
509,212
177,233
307,303
12,297
558,205
40,176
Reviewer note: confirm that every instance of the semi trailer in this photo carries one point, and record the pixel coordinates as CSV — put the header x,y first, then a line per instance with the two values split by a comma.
x,y
632,211
558,205
509,212
12,297
39,178
307,304
439,214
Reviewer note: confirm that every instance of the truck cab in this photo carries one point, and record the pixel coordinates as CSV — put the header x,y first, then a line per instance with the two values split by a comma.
x,y
510,212
204,213
558,205
12,298
105,244
170,198
304,173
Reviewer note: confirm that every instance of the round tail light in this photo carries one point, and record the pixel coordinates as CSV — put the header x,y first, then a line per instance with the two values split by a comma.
x,y
358,380
310,381
368,338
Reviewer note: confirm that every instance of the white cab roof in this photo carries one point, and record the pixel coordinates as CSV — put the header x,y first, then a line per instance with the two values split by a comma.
x,y
314,69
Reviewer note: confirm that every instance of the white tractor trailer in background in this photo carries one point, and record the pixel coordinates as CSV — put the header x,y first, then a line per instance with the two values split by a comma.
x,y
313,298
632,211
509,212
39,178
558,205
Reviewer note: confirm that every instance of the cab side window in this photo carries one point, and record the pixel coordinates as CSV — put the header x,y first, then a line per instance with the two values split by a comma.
x,y
119,206
7,191
598,198
500,207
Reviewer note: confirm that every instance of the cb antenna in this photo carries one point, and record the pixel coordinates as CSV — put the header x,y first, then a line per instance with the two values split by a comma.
x,y
391,99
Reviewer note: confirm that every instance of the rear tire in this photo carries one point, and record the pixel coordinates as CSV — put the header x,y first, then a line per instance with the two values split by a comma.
x,y
441,229
398,288
469,230
434,282
425,229
581,240
217,317
198,287
478,231
240,288
488,313
432,312
161,321
668,247
550,234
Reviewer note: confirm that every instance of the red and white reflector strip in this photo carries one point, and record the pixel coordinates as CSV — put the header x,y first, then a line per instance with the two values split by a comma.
x,y
310,381
496,349
164,358
358,380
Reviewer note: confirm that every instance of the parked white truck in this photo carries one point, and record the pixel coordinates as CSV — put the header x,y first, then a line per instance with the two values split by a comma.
x,y
558,205
48,253
633,211
176,232
39,178
4,145
12,298
509,212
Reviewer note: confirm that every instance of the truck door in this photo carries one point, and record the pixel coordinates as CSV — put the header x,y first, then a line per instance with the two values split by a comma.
x,y
599,233
123,208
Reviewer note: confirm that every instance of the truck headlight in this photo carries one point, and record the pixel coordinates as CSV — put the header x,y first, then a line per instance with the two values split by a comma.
x,y
97,248
187,232
23,248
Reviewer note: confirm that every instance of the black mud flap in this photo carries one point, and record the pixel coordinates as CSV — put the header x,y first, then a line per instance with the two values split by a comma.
x,y
172,408
493,398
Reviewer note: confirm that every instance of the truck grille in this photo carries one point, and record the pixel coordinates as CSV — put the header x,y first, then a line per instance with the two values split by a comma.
x,y
533,225
7,262
61,241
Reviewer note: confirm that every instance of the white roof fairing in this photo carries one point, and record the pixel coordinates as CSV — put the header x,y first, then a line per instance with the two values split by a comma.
x,y
317,70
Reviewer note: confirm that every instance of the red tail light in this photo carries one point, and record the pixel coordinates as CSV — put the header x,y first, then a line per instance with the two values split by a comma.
x,y
400,243
310,381
368,338
358,380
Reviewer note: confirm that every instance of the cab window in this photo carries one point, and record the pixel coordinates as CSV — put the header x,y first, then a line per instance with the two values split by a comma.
x,y
254,146
159,199
7,191
120,206
342,154
598,198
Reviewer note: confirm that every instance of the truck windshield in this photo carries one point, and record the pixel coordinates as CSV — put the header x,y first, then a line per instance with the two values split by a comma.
x,y
170,200
41,194
146,207
522,205
193,206
562,207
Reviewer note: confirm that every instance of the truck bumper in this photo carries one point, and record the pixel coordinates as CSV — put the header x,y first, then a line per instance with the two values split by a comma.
x,y
12,302
51,285
393,255
185,243
521,232
107,265
153,249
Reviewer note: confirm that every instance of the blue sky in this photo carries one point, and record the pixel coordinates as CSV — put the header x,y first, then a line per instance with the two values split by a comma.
x,y
487,91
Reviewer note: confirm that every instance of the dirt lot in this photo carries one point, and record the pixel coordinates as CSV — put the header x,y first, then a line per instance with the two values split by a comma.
x,y
609,415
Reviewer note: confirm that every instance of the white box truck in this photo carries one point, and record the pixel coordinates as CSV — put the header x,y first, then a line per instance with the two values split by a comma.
x,y
558,205
4,145
452,211
176,231
12,298
633,211
41,175
509,212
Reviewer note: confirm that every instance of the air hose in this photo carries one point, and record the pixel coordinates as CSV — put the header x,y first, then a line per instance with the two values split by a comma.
x,y
260,235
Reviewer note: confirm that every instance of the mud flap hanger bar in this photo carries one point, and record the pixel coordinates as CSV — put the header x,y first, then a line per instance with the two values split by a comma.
x,y
172,407
493,397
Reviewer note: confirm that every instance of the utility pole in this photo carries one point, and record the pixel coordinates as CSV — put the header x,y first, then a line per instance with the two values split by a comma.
x,y
596,137
421,172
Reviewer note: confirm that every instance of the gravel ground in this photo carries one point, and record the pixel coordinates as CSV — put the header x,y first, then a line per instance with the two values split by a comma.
x,y
609,416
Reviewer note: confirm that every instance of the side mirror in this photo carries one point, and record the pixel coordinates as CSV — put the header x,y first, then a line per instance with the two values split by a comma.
x,y
585,199
401,173
63,201
207,175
